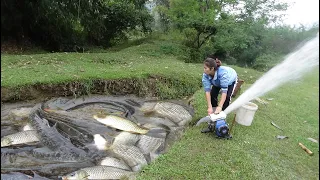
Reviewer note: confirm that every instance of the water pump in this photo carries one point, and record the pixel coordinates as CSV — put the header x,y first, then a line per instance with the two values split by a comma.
x,y
217,124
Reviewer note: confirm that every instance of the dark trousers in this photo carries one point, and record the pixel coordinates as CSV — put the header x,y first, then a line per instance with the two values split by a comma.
x,y
215,92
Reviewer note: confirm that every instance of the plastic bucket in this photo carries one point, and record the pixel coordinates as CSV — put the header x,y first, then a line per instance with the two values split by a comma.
x,y
245,113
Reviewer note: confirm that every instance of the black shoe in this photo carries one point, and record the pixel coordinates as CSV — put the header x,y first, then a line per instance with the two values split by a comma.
x,y
206,130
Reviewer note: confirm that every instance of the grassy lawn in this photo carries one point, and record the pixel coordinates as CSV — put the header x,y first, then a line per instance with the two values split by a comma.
x,y
253,153
136,61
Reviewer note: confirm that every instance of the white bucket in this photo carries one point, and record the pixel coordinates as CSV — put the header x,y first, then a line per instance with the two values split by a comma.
x,y
245,113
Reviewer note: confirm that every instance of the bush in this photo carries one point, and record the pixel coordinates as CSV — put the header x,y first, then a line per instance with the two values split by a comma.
x,y
266,62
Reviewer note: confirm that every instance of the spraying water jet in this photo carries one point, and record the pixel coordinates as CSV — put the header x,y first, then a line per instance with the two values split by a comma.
x,y
293,67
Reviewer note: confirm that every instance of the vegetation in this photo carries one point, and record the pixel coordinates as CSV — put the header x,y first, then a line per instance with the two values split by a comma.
x,y
71,25
106,40
244,32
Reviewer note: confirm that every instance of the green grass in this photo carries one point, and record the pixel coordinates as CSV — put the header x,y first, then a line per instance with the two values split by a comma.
x,y
137,61
253,153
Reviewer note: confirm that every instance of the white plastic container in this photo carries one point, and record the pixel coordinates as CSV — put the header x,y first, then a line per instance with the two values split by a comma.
x,y
245,113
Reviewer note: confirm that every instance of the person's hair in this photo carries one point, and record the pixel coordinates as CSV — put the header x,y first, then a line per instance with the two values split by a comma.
x,y
212,63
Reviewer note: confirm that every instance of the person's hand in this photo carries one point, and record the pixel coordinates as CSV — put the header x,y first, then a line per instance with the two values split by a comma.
x,y
210,110
218,110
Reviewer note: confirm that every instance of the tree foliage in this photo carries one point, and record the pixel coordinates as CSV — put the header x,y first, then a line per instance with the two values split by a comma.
x,y
240,30
64,25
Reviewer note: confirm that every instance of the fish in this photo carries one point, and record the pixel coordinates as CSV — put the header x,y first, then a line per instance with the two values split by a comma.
x,y
120,123
114,162
158,121
158,131
126,138
148,144
98,172
273,124
131,155
175,112
20,138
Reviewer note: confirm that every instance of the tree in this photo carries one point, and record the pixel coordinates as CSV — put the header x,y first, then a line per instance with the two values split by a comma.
x,y
62,25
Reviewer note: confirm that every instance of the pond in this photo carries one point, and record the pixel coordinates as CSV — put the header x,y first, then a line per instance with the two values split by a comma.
x,y
90,137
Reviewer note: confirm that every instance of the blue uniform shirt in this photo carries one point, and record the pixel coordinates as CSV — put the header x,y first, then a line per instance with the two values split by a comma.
x,y
223,77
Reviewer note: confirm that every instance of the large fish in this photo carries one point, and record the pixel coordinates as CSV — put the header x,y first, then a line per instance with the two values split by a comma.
x,y
126,138
131,155
175,112
98,172
114,162
20,138
148,144
120,123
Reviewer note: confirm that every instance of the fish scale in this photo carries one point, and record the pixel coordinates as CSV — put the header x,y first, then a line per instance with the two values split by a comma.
x,y
148,144
173,111
121,124
131,154
99,172
21,138
110,161
126,138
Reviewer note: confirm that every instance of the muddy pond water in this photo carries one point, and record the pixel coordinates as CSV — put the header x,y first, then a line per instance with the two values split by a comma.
x,y
90,137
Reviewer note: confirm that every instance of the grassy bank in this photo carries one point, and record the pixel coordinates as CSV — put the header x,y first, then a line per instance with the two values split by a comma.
x,y
137,62
253,153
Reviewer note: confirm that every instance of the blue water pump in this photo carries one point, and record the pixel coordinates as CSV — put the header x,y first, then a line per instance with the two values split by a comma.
x,y
221,129
219,126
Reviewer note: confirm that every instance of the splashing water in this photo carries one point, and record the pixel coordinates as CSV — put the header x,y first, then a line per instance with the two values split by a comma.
x,y
293,67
